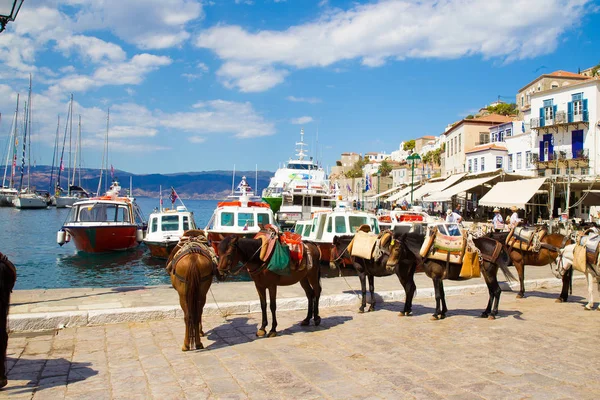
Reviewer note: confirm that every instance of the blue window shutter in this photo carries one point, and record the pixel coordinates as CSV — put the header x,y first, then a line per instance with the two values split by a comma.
x,y
570,111
542,150
585,110
542,122
554,108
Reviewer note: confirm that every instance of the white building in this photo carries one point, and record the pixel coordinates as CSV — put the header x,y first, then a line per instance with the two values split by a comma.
x,y
565,122
486,157
518,142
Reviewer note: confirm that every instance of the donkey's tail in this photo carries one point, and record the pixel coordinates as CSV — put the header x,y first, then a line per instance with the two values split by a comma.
x,y
192,297
510,278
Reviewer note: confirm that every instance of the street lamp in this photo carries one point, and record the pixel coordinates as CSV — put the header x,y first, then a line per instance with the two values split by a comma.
x,y
8,11
413,157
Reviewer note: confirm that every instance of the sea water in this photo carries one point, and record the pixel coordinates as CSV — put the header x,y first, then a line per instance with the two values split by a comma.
x,y
28,238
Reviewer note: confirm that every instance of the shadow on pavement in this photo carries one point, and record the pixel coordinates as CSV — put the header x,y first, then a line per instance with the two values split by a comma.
x,y
535,293
35,375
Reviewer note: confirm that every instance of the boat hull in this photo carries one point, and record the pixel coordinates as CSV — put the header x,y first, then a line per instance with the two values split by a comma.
x,y
215,238
103,239
274,203
161,249
30,203
7,200
66,201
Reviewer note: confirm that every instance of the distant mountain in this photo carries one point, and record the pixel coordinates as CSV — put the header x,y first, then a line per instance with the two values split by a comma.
x,y
189,185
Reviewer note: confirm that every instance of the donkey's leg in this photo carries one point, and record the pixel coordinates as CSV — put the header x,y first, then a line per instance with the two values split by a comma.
x,y
3,346
372,291
408,283
520,266
262,294
436,287
443,298
186,337
590,281
310,297
566,281
199,331
494,287
487,280
273,305
363,290
316,285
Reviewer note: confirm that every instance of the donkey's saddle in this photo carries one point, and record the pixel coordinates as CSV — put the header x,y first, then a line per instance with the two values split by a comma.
x,y
591,242
192,241
367,245
525,238
271,235
446,248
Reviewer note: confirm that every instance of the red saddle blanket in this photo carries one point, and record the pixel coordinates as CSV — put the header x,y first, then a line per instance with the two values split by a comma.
x,y
292,240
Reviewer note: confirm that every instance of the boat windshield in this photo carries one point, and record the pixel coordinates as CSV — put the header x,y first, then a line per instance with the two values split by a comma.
x,y
101,212
302,166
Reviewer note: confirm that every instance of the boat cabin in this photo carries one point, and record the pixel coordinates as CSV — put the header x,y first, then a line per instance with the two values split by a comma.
x,y
235,217
173,222
325,225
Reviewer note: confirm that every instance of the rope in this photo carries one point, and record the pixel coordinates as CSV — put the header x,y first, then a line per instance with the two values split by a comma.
x,y
218,308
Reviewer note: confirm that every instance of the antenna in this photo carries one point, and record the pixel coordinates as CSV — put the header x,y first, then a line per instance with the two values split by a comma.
x,y
233,180
256,179
300,150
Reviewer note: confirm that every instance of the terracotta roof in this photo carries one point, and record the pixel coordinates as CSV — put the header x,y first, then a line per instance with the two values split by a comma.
x,y
427,137
490,119
488,146
566,74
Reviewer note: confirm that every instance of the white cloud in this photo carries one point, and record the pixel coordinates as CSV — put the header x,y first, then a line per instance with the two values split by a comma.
x,y
149,24
95,49
247,2
302,120
202,67
196,139
392,30
130,91
309,100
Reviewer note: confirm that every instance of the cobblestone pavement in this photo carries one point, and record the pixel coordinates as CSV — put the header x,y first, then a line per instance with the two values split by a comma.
x,y
536,349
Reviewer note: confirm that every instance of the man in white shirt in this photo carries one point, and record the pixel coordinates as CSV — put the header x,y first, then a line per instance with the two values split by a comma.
x,y
498,222
454,219
514,218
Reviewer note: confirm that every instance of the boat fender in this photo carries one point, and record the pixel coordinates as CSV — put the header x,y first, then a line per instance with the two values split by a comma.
x,y
139,236
61,237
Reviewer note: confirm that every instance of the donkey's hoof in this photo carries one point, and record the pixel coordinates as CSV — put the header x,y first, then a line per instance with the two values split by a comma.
x,y
317,321
305,322
520,296
443,316
492,317
434,318
272,334
361,310
587,307
484,315
559,300
402,314
199,346
3,382
201,333
261,333
185,347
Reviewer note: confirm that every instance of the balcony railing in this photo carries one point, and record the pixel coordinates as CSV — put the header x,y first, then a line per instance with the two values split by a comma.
x,y
561,118
561,156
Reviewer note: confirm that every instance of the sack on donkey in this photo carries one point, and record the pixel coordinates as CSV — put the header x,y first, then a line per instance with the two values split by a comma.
x,y
280,260
447,248
363,245
470,266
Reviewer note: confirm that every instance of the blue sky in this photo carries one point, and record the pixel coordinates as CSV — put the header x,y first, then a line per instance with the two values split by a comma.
x,y
202,85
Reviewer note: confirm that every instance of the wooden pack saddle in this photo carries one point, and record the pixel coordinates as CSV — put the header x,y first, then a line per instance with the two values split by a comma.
x,y
525,238
591,242
368,245
449,249
293,241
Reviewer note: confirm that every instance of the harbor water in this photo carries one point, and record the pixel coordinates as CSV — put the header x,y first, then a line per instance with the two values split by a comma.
x,y
28,238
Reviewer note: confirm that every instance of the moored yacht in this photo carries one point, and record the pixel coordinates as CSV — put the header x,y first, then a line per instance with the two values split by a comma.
x,y
298,189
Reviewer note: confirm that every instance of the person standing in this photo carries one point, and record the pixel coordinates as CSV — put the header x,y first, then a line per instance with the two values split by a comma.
x,y
514,218
497,221
454,219
457,210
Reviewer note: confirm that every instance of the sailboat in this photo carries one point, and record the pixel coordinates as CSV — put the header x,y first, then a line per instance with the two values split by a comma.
x,y
8,192
26,198
74,192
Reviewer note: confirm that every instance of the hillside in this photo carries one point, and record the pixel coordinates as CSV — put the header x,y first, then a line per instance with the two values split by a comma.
x,y
189,185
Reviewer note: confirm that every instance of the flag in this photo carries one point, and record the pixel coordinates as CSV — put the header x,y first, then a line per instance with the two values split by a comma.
x,y
62,166
367,183
112,171
173,196
348,188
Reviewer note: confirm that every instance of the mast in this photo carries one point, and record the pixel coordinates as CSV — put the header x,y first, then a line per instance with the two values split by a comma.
x,y
79,154
300,150
233,180
24,146
103,153
11,140
29,144
54,157
77,139
70,146
16,142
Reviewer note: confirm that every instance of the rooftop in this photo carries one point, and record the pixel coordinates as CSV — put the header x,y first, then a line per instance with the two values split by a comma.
x,y
493,119
556,74
488,146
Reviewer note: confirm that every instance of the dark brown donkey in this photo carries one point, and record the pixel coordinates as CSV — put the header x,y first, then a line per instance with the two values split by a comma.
x,y
8,277
548,253
234,250
192,268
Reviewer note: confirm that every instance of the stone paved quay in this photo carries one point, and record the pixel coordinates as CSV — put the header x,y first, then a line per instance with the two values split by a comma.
x,y
536,349
35,310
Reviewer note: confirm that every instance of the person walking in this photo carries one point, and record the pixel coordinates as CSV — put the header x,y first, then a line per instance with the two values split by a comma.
x,y
454,219
497,221
514,218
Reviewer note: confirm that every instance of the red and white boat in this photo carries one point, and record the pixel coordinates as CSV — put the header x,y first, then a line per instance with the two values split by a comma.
x,y
112,222
244,217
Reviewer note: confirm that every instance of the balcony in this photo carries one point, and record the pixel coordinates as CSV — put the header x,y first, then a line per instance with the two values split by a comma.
x,y
561,119
562,158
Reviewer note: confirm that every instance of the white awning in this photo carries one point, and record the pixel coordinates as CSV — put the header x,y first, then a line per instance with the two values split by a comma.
x,y
399,195
435,187
515,193
446,194
392,190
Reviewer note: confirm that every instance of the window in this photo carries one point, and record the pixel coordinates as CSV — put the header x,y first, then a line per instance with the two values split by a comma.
x,y
226,219
475,165
519,160
495,136
484,137
501,136
508,133
522,100
262,219
447,151
498,162
548,109
356,222
307,230
482,164
577,103
510,164
169,223
459,141
186,223
340,224
470,165
451,147
584,171
154,225
528,159
245,219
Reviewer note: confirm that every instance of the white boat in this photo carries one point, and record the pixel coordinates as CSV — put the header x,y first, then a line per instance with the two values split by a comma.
x,y
244,216
165,228
32,200
325,225
75,194
298,189
413,219
7,196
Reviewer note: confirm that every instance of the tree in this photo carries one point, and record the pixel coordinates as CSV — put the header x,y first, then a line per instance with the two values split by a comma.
x,y
385,168
338,163
503,109
596,70
410,145
470,116
357,168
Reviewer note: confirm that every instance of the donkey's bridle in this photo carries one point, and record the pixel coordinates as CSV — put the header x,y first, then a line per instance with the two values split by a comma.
x,y
244,265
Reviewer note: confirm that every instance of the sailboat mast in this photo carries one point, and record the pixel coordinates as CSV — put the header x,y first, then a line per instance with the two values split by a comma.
x,y
103,154
106,145
24,145
15,143
233,180
54,158
11,140
78,155
70,147
29,144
